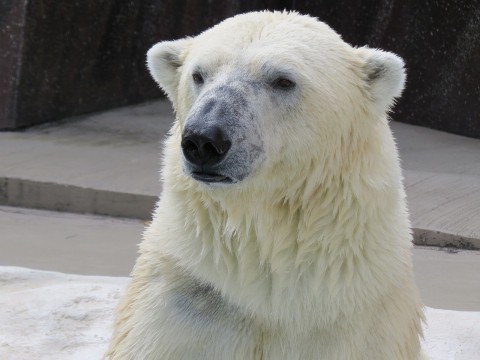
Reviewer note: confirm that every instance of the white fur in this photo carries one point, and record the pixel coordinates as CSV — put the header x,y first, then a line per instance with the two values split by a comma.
x,y
163,61
309,256
386,76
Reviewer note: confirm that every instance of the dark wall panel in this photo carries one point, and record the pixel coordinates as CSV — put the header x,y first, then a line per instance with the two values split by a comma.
x,y
440,42
62,58
12,17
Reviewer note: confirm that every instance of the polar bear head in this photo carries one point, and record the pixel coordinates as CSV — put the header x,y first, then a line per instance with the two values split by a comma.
x,y
273,95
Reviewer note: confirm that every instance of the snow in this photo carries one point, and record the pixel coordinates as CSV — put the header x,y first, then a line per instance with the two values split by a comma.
x,y
452,335
48,315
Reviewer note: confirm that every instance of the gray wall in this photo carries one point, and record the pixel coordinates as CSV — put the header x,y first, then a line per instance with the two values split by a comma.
x,y
60,59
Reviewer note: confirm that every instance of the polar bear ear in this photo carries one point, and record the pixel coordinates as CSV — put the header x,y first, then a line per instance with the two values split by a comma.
x,y
163,61
385,75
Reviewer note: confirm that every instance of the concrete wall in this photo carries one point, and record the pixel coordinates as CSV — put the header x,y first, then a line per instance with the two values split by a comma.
x,y
60,59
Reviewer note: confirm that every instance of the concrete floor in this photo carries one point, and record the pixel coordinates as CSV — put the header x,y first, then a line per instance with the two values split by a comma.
x,y
108,163
442,181
69,243
448,278
95,245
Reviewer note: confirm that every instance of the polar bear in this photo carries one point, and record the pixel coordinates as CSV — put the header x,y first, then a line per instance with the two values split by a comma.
x,y
282,230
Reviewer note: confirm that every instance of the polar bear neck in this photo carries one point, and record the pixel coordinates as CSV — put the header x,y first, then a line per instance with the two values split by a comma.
x,y
261,243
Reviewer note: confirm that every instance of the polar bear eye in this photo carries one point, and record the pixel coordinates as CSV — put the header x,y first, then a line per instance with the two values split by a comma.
x,y
283,83
197,78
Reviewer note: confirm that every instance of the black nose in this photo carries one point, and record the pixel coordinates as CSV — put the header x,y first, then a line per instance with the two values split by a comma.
x,y
205,147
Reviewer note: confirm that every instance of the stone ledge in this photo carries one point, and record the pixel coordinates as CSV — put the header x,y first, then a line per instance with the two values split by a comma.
x,y
74,199
425,237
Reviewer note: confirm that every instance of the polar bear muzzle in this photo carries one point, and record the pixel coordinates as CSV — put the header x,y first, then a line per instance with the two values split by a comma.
x,y
204,147
220,139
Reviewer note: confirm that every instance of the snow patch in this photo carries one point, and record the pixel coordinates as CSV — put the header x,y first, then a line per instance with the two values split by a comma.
x,y
48,315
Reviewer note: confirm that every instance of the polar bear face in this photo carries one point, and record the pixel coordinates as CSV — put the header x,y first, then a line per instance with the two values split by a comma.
x,y
266,94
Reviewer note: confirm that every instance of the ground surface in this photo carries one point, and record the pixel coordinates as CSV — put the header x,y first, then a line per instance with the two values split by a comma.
x,y
108,163
75,322
98,245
